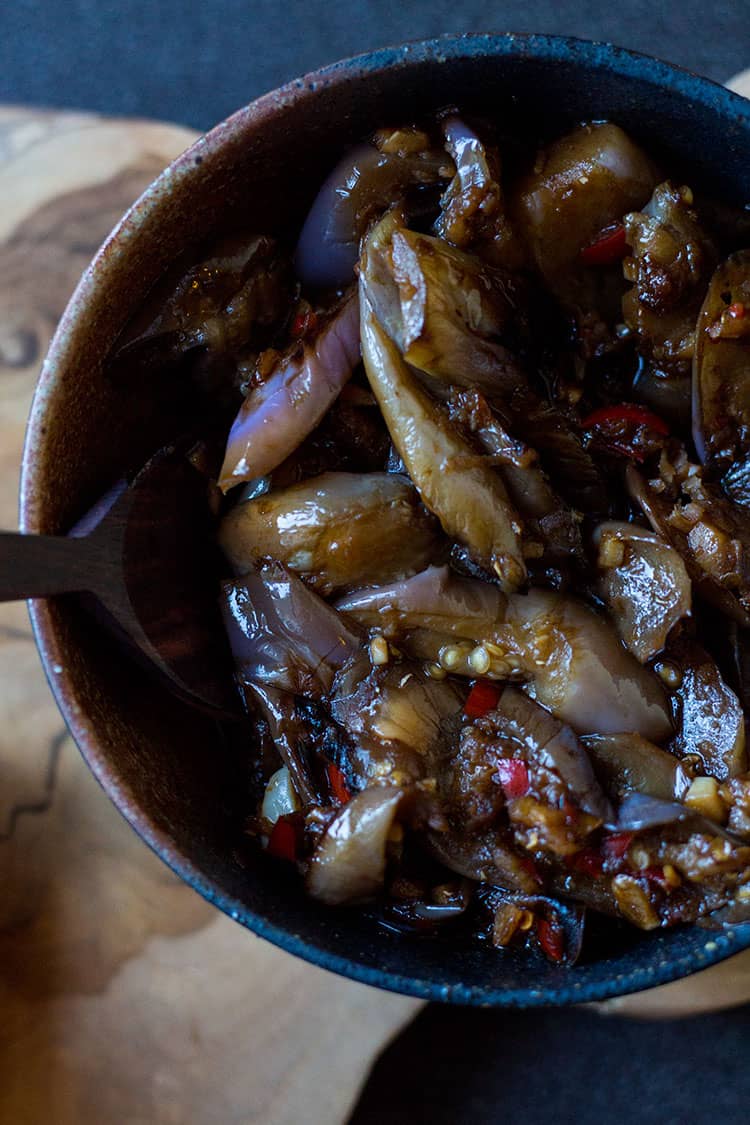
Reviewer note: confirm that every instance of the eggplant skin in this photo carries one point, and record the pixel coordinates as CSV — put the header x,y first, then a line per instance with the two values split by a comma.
x,y
711,722
710,533
279,414
721,367
349,862
570,655
645,584
338,530
671,261
466,494
582,673
362,185
282,635
586,180
627,763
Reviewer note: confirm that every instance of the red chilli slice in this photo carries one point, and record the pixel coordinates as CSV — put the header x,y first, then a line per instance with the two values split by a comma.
x,y
608,247
337,783
626,412
303,324
587,862
616,846
283,840
513,775
551,940
482,698
656,875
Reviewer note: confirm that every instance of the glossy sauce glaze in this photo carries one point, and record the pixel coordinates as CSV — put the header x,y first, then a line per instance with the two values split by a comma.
x,y
486,524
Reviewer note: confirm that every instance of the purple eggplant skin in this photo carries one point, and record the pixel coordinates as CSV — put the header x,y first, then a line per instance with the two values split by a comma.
x,y
466,494
640,813
364,183
570,655
279,414
437,599
627,763
282,635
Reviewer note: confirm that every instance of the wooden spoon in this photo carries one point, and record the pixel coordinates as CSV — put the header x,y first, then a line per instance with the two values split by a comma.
x,y
146,553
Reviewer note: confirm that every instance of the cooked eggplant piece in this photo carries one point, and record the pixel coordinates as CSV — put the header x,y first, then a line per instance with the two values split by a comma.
x,y
472,210
483,856
276,416
349,863
279,711
465,494
284,636
446,310
721,371
220,303
640,812
644,584
580,186
555,747
547,518
437,599
581,672
336,530
471,410
516,790
398,720
710,533
364,184
670,263
627,763
569,466
667,392
710,721
572,658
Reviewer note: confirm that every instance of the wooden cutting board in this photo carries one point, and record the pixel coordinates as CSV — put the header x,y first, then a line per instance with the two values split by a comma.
x,y
125,997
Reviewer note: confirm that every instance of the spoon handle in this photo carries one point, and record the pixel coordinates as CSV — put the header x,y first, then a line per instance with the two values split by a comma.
x,y
38,566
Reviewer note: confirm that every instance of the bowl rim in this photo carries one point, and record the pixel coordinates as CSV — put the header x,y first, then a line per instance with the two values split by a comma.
x,y
597,55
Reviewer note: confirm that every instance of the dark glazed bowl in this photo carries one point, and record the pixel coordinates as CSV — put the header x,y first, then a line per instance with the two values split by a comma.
x,y
165,767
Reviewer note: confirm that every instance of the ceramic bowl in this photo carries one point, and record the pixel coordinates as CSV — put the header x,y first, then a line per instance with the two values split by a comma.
x,y
166,767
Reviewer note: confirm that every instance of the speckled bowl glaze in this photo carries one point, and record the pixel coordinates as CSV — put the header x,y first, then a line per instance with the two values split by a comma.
x,y
164,766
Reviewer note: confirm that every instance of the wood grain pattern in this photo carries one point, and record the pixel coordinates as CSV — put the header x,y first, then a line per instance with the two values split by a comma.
x,y
125,997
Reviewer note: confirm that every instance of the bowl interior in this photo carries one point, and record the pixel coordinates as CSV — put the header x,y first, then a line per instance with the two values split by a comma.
x,y
169,770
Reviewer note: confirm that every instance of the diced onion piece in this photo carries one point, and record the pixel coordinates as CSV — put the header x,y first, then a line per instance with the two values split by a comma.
x,y
279,798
